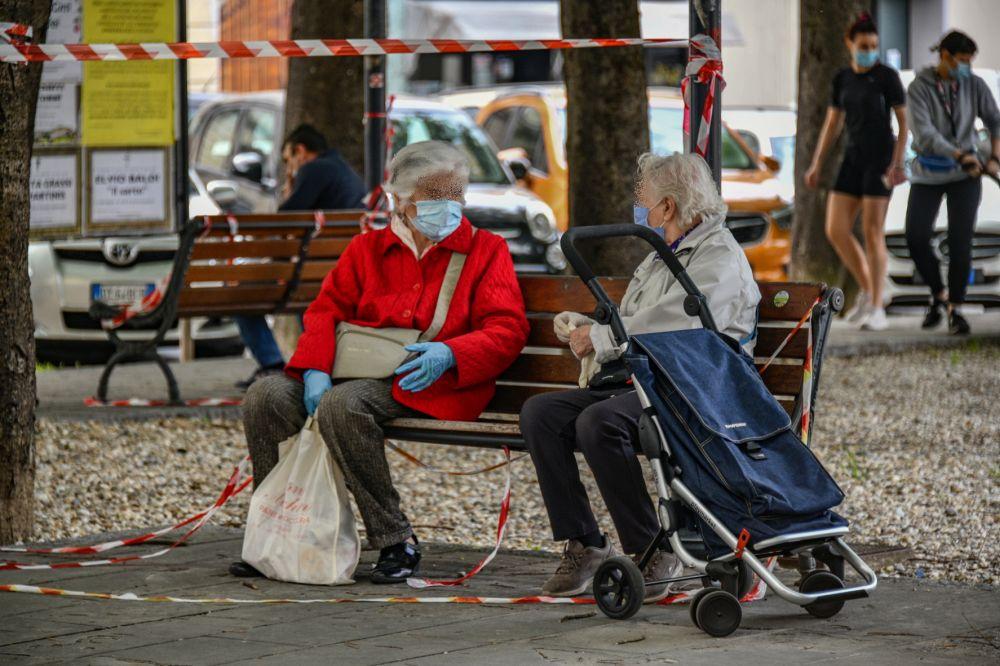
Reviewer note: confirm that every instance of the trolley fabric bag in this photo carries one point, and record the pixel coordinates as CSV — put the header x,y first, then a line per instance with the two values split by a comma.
x,y
732,440
300,527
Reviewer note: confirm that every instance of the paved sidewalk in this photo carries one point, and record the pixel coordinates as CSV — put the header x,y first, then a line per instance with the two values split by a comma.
x,y
904,622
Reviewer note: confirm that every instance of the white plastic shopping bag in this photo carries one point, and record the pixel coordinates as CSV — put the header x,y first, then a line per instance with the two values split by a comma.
x,y
300,527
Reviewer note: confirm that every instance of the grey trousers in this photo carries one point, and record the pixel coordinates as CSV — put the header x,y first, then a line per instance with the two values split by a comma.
x,y
350,417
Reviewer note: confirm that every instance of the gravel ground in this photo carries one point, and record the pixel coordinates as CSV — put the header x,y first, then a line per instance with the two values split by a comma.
x,y
914,440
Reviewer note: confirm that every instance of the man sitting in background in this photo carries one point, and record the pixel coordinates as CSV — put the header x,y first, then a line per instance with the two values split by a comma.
x,y
316,178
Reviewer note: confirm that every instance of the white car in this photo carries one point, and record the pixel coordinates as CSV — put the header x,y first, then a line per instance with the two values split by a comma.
x,y
67,275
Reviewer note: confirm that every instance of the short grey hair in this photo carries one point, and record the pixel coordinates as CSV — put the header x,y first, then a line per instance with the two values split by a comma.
x,y
434,164
686,179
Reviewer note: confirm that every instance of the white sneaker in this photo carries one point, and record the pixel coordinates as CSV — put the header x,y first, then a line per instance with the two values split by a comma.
x,y
860,310
876,321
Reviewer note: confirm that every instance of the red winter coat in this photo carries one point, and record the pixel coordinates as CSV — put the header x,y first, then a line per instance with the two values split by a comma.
x,y
379,282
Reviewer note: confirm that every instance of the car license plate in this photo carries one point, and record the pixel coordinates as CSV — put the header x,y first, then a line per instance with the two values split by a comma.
x,y
120,294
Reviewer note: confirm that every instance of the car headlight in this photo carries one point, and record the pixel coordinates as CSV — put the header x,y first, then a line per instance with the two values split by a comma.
x,y
783,217
542,226
554,257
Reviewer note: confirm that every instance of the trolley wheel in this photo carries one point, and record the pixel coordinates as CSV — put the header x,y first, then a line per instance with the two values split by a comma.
x,y
819,581
718,613
619,588
695,600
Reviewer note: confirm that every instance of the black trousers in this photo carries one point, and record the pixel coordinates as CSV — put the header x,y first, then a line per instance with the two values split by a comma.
x,y
921,212
555,425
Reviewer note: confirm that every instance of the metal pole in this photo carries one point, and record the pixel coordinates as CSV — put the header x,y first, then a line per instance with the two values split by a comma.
x,y
705,17
181,144
374,97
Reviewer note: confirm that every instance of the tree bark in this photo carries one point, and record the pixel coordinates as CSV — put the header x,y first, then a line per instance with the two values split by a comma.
x,y
328,93
822,24
607,126
19,92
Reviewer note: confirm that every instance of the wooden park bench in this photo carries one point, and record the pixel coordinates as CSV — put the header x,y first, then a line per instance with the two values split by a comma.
x,y
274,264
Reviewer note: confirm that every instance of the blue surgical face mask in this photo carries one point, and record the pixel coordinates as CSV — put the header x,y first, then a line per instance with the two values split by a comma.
x,y
437,218
962,70
640,215
866,59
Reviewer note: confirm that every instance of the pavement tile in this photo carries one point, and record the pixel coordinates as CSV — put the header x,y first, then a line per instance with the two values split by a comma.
x,y
201,651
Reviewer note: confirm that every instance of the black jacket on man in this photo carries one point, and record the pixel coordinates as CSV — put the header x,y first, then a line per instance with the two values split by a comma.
x,y
326,183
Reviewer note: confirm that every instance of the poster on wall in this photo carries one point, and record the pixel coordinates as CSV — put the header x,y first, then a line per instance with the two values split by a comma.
x,y
56,114
64,28
55,192
128,103
128,187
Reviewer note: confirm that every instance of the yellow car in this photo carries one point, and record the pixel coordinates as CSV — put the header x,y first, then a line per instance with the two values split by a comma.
x,y
528,125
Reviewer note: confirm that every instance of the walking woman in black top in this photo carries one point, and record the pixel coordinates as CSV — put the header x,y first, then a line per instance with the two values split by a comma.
x,y
864,96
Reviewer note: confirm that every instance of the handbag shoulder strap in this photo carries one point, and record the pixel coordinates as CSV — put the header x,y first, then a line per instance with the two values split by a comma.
x,y
451,275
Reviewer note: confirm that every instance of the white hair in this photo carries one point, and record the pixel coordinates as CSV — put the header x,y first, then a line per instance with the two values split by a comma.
x,y
687,180
436,165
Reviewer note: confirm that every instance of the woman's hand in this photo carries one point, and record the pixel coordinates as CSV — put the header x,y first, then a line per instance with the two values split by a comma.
x,y
894,175
812,177
434,360
317,383
579,341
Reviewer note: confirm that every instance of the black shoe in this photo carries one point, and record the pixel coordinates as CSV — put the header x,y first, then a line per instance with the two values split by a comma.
x,y
957,325
397,563
244,384
934,315
241,569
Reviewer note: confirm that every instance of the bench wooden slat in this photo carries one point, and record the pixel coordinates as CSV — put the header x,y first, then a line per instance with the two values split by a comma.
x,y
238,294
800,298
783,379
457,426
327,248
306,292
561,369
545,293
268,272
509,398
315,271
274,248
768,340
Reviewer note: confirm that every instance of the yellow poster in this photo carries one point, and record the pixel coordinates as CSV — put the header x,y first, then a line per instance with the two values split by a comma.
x,y
128,103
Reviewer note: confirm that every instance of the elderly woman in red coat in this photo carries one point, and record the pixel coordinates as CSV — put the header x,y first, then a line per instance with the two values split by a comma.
x,y
391,279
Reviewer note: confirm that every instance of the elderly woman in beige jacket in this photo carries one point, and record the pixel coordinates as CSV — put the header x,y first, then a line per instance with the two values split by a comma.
x,y
675,194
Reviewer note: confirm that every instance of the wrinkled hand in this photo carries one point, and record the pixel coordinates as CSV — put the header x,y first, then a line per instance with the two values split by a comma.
x,y
564,323
434,360
812,177
317,383
971,165
993,166
579,341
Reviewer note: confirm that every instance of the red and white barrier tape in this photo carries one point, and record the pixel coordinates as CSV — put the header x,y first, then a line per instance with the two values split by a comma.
x,y
756,593
148,303
421,583
238,480
704,65
14,33
788,338
301,48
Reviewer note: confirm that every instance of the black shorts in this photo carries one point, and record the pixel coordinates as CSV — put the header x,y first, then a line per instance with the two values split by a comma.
x,y
861,175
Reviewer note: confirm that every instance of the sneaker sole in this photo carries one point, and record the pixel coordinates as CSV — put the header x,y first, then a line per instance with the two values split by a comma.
x,y
667,591
584,589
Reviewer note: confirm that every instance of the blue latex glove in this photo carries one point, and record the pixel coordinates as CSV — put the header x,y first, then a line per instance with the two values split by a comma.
x,y
317,383
435,358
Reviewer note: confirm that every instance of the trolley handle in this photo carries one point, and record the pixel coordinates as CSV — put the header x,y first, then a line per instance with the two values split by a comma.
x,y
695,305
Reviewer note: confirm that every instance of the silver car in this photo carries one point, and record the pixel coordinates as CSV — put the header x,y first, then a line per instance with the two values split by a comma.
x,y
67,275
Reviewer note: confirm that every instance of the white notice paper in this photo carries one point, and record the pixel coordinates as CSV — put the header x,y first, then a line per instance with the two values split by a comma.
x,y
55,115
64,28
53,186
127,186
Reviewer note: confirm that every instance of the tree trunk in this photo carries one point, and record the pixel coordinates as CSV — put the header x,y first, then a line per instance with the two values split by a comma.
x,y
328,93
19,92
822,24
607,126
